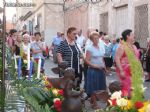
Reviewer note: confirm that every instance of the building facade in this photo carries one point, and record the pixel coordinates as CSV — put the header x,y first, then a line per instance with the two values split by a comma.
x,y
47,17
110,16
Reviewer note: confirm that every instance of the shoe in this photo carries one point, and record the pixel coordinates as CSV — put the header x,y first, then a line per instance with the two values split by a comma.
x,y
147,80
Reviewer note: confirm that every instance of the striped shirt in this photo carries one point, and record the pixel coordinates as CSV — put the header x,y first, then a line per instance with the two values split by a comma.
x,y
70,54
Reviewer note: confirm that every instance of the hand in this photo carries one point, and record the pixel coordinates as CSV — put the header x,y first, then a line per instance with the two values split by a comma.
x,y
95,66
82,90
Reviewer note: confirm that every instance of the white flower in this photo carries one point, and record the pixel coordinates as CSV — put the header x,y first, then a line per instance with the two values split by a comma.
x,y
25,61
122,102
55,91
147,108
56,99
116,95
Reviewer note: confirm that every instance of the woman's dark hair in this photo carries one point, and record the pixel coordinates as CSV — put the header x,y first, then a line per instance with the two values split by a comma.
x,y
137,45
12,31
125,34
71,29
37,33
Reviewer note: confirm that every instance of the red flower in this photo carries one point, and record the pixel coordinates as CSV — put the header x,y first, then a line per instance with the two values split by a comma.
x,y
48,86
114,103
139,105
57,105
61,92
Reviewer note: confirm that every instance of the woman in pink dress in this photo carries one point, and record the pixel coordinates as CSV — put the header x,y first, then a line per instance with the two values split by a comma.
x,y
122,64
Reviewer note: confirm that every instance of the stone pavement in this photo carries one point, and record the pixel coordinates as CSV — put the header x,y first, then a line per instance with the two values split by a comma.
x,y
110,78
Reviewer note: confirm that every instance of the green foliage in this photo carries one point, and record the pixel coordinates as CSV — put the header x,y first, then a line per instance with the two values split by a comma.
x,y
2,92
32,90
35,97
137,72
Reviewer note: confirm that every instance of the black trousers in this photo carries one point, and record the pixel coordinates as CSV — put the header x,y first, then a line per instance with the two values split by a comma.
x,y
79,75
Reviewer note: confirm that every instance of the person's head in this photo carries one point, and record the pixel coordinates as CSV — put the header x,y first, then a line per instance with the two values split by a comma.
x,y
94,37
118,40
89,32
13,32
105,33
58,34
71,33
33,38
19,38
114,40
96,30
69,73
62,35
128,35
26,38
37,36
5,33
106,39
101,35
137,45
79,32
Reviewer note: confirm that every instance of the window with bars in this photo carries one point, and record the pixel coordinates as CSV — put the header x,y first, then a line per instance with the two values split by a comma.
x,y
141,24
121,20
104,22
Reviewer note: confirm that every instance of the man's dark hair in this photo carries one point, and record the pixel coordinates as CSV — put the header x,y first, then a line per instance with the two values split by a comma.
x,y
71,29
96,30
105,33
101,33
24,33
12,31
37,33
118,40
125,34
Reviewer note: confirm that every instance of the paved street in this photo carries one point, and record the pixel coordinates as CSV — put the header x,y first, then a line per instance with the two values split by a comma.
x,y
49,64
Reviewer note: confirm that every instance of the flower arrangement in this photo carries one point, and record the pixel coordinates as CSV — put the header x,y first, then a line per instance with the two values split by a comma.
x,y
24,65
136,103
121,104
55,96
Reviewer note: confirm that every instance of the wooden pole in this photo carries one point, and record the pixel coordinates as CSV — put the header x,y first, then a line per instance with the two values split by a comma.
x,y
3,57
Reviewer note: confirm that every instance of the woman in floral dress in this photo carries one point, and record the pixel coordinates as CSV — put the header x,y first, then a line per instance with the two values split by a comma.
x,y
122,64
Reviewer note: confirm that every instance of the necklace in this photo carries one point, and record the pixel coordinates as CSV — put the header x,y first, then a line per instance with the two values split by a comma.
x,y
70,42
131,48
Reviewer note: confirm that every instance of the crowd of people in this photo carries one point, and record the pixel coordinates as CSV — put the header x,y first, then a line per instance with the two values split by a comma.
x,y
95,55
22,42
91,56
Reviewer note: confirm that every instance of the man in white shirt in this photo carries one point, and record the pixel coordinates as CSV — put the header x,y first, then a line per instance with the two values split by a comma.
x,y
80,39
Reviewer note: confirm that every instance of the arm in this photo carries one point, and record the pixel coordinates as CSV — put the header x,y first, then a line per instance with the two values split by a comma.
x,y
88,58
42,46
69,92
59,57
118,56
60,52
36,51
